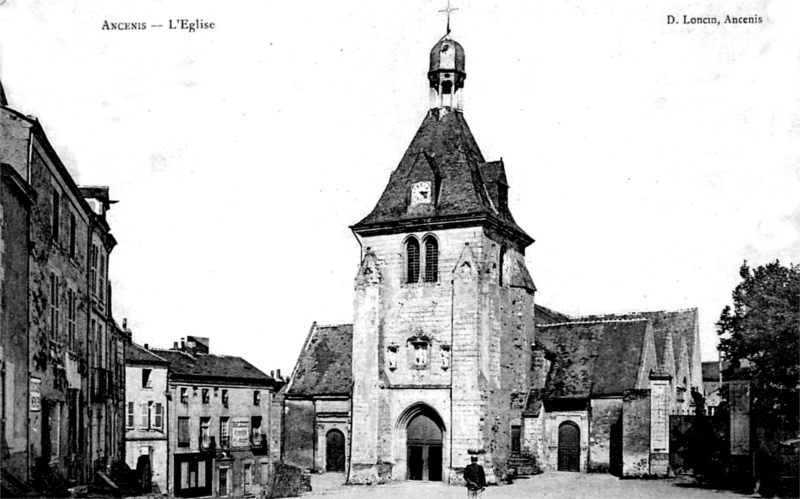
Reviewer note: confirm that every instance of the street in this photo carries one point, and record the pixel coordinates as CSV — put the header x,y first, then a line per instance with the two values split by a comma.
x,y
548,485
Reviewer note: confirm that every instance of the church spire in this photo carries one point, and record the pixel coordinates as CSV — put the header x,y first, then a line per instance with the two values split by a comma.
x,y
446,74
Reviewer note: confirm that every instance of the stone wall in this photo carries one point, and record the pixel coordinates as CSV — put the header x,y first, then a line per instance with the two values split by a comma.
x,y
299,433
14,209
478,341
605,418
636,433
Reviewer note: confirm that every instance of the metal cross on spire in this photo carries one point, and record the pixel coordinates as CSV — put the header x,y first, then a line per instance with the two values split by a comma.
x,y
448,10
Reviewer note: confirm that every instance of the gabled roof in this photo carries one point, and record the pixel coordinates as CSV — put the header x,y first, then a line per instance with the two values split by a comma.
x,y
463,197
212,368
544,315
592,358
325,363
136,354
681,323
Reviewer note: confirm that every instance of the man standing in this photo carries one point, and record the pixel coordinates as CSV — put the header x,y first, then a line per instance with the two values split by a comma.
x,y
475,478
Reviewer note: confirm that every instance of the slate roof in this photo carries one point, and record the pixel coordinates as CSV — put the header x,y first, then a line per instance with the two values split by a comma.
x,y
681,323
325,363
445,141
544,315
211,368
136,354
592,358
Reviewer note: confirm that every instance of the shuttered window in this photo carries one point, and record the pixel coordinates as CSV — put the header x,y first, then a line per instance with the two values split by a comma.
x,y
412,260
431,259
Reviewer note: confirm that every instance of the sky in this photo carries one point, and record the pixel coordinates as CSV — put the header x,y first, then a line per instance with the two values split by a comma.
x,y
647,160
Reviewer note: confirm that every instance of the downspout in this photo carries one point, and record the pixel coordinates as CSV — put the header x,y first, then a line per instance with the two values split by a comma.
x,y
452,357
28,308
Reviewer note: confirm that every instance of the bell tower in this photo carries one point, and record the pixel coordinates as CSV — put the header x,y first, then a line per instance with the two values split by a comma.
x,y
446,74
443,307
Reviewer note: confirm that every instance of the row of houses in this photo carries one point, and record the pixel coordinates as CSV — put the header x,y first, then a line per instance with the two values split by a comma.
x,y
202,421
62,352
80,400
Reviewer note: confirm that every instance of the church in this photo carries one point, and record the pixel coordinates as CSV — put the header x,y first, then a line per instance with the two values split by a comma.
x,y
448,357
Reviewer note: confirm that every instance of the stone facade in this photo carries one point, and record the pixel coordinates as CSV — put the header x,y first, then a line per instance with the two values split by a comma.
x,y
68,381
218,423
146,413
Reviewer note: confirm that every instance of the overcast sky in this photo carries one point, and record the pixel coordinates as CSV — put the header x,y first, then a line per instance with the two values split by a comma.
x,y
647,160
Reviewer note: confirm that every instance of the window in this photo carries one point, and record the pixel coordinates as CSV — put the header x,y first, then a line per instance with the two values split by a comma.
x,y
72,232
56,215
205,436
255,430
184,395
412,260
224,432
158,416
54,429
147,382
72,312
431,259
206,397
420,354
183,432
145,415
225,397
264,471
130,418
93,269
256,397
501,263
223,481
248,477
502,196
101,278
55,305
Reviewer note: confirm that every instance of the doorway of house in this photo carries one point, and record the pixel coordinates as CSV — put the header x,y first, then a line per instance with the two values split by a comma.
x,y
334,451
424,447
569,447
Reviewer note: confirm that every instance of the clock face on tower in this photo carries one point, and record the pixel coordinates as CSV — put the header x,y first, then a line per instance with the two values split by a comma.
x,y
421,193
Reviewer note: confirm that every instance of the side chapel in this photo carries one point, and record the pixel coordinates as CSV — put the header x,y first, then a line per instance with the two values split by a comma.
x,y
442,360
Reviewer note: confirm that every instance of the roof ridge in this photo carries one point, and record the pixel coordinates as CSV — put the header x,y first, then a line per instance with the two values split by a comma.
x,y
578,322
333,325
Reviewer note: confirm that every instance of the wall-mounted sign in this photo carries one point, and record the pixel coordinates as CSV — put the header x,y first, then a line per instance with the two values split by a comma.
x,y
36,394
240,432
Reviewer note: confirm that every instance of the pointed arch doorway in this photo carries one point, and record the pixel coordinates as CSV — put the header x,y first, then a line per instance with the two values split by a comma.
x,y
424,443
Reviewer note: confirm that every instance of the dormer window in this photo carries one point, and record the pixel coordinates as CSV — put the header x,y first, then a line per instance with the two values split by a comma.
x,y
502,196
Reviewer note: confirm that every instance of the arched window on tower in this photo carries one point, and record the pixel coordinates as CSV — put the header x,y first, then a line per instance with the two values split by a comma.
x,y
501,264
412,260
431,259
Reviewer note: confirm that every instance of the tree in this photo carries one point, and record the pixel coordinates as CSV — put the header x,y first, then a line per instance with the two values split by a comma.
x,y
760,336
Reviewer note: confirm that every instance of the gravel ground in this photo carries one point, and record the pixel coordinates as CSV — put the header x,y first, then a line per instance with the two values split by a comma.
x,y
548,485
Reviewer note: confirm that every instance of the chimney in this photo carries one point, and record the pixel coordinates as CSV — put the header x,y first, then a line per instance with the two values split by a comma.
x,y
125,324
175,345
272,374
278,373
146,346
183,344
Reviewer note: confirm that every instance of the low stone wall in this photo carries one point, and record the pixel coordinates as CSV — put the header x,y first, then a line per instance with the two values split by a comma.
x,y
288,481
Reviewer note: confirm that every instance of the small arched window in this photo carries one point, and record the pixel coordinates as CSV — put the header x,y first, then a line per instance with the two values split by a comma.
x,y
412,260
431,259
502,264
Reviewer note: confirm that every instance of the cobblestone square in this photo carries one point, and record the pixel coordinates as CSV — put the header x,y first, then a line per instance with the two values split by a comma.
x,y
548,485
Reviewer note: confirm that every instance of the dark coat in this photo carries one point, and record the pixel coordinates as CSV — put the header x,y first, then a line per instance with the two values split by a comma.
x,y
475,477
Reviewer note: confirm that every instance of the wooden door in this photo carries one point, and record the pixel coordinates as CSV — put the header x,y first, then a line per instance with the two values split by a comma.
x,y
416,462
569,447
334,451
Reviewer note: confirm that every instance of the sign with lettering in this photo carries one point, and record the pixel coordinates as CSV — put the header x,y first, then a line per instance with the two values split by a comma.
x,y
659,417
240,432
36,394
